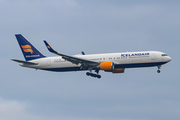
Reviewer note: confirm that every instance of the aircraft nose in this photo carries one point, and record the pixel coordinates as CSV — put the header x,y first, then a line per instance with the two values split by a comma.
x,y
169,59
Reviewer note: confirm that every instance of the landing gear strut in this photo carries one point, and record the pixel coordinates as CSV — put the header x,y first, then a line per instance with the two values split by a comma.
x,y
93,75
159,67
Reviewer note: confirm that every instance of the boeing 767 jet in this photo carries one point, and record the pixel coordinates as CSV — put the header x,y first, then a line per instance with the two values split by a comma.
x,y
110,62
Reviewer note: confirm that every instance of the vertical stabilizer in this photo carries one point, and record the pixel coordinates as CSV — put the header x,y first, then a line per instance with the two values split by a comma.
x,y
28,50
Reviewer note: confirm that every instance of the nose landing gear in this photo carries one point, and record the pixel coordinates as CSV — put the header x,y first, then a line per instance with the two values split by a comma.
x,y
159,67
158,71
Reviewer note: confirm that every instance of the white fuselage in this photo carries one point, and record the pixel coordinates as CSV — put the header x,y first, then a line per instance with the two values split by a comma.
x,y
121,60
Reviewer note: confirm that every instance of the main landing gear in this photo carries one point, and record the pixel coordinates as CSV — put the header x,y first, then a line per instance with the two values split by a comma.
x,y
159,67
93,75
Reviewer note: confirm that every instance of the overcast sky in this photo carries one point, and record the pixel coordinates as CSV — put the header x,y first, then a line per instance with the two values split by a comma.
x,y
92,26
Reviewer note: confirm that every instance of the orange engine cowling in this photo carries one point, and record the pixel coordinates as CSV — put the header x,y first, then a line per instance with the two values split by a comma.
x,y
107,66
119,70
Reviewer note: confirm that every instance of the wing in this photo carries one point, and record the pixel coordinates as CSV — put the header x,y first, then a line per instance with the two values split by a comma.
x,y
73,59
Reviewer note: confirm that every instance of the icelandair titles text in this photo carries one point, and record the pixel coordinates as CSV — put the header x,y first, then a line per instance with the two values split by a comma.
x,y
135,55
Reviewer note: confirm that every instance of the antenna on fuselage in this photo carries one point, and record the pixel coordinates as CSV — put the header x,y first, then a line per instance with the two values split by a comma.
x,y
83,53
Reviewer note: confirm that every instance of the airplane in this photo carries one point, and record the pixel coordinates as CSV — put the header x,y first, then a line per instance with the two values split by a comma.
x,y
110,62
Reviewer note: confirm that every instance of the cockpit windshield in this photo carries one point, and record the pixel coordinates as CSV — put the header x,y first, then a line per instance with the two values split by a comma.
x,y
164,55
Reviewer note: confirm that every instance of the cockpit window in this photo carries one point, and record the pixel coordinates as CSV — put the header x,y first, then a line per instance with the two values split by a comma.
x,y
164,55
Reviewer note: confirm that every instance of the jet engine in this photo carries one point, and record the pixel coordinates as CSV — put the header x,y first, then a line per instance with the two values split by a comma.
x,y
107,66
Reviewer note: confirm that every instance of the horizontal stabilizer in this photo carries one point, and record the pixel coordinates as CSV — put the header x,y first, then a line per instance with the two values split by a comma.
x,y
24,62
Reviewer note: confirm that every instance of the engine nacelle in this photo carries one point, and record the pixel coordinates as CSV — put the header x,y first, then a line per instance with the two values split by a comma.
x,y
119,70
107,66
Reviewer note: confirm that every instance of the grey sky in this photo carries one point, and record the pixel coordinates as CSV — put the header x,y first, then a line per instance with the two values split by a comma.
x,y
102,26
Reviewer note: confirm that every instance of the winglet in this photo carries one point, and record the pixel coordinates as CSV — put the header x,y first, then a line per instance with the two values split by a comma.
x,y
49,47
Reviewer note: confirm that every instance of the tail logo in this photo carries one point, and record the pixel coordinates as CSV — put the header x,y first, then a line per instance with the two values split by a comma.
x,y
27,48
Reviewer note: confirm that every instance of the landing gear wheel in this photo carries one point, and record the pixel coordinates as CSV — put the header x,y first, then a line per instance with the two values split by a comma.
x,y
98,76
93,75
87,73
158,71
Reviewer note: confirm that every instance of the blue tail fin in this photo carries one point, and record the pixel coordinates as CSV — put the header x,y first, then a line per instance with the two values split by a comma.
x,y
28,50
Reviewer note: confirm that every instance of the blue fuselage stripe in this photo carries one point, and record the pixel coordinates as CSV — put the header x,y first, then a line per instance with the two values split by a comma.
x,y
138,65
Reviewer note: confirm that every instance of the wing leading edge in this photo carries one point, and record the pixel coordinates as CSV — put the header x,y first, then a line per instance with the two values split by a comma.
x,y
85,63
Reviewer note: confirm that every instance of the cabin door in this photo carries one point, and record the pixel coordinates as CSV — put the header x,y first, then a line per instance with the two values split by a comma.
x,y
48,62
